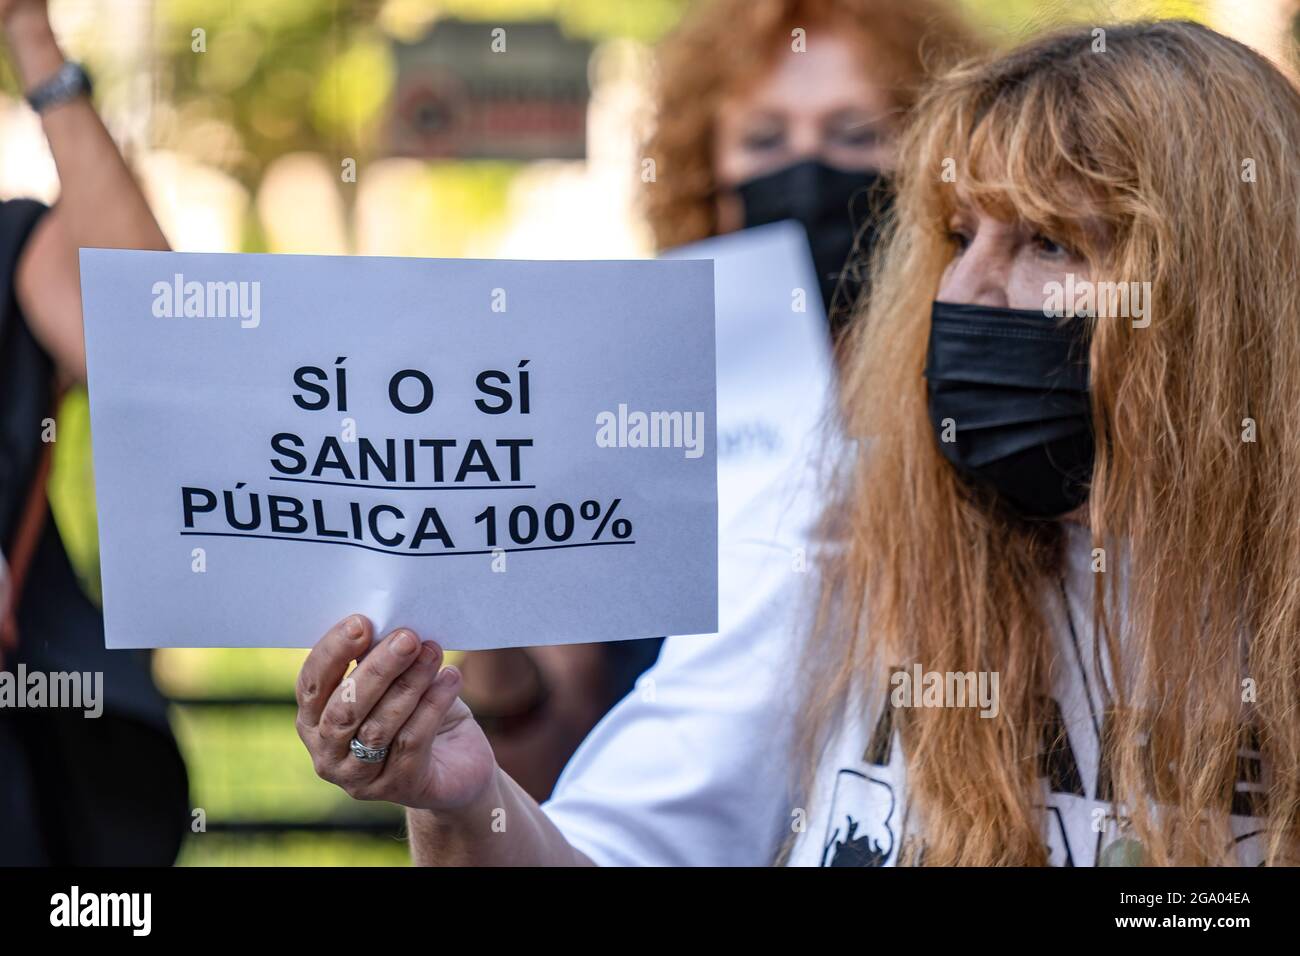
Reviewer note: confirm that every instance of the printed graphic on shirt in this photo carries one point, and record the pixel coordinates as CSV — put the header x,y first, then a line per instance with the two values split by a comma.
x,y
862,809
863,805
864,826
1058,843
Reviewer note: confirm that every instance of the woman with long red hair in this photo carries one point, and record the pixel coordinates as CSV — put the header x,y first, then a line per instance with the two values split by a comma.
x,y
1043,608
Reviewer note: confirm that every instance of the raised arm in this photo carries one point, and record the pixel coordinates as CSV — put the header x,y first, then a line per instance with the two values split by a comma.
x,y
100,203
462,808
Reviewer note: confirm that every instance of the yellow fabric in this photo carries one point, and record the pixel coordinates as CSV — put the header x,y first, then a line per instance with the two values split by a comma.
x,y
72,490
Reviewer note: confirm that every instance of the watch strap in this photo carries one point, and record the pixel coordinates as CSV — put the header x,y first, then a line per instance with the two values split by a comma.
x,y
70,82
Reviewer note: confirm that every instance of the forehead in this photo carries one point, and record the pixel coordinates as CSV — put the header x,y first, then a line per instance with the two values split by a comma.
x,y
832,75
988,213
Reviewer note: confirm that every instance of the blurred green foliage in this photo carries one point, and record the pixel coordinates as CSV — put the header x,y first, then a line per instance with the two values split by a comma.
x,y
72,490
316,75
254,767
293,849
1010,21
262,70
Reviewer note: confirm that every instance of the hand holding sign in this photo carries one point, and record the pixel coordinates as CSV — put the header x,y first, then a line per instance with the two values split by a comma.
x,y
490,453
398,700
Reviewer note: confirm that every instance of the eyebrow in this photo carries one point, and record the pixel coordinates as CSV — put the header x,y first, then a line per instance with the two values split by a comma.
x,y
763,115
874,119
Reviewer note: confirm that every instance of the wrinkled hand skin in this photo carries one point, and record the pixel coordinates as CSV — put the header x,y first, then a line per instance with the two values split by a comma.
x,y
399,697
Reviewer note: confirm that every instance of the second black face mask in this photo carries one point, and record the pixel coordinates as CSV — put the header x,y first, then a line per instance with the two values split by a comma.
x,y
832,204
1009,403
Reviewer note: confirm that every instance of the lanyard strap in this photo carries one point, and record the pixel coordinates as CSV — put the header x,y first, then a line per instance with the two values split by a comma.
x,y
28,534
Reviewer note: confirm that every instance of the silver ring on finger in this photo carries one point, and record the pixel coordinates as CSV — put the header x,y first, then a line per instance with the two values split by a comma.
x,y
368,754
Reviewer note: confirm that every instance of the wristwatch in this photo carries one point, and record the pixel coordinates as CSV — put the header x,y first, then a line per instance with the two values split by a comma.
x,y
68,83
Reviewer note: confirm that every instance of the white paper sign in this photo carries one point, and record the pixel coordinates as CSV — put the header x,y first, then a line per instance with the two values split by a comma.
x,y
774,363
493,453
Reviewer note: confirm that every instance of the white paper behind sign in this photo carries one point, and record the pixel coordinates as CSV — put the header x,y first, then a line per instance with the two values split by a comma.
x,y
774,364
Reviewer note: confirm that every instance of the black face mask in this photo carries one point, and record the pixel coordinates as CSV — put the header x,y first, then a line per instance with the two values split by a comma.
x,y
833,205
1010,388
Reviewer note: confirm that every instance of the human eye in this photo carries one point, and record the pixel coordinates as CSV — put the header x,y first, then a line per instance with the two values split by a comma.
x,y
763,138
855,134
959,238
1048,248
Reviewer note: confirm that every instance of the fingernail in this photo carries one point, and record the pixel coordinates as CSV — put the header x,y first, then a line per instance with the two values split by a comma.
x,y
449,675
404,643
352,626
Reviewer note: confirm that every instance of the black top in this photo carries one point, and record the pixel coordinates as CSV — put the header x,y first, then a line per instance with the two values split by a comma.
x,y
59,628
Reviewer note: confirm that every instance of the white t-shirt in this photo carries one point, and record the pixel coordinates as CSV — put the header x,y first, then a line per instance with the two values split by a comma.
x,y
694,766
